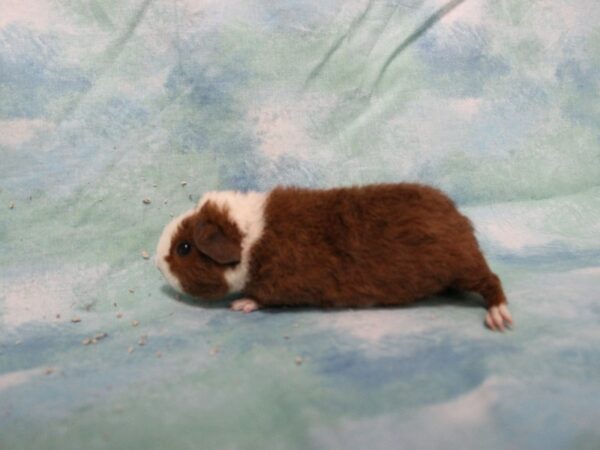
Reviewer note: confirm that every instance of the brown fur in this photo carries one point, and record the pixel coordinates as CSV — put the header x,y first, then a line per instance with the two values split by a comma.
x,y
364,246
215,239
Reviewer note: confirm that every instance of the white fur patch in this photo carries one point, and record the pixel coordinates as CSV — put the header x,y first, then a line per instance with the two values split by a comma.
x,y
164,246
247,211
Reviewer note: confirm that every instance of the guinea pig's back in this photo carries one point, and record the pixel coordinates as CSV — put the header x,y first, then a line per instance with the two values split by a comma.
x,y
357,246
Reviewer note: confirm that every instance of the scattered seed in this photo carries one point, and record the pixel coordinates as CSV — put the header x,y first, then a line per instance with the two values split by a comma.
x,y
135,323
298,360
76,319
94,341
286,337
131,291
11,205
49,371
119,315
158,354
146,201
190,197
86,341
115,304
58,316
154,185
142,340
100,336
18,342
183,183
166,202
145,254
214,351
130,349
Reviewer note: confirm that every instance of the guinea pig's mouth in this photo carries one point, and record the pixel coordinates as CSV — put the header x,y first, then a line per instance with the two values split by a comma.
x,y
163,266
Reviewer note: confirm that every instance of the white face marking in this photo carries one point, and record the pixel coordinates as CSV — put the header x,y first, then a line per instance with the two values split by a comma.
x,y
247,211
164,246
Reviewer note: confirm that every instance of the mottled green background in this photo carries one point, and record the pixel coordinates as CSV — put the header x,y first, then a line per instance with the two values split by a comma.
x,y
105,103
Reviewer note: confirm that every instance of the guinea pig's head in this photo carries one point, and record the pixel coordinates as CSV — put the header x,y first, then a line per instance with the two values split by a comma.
x,y
196,248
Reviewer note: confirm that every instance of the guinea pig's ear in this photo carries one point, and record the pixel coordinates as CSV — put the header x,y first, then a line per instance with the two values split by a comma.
x,y
214,243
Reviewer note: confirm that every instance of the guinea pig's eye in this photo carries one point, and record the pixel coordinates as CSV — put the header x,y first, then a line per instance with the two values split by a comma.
x,y
184,248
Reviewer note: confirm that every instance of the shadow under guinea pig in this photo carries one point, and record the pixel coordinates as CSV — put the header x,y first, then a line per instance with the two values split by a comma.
x,y
193,301
448,298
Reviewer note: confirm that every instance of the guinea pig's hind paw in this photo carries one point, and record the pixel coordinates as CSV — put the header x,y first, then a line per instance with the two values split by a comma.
x,y
498,317
246,305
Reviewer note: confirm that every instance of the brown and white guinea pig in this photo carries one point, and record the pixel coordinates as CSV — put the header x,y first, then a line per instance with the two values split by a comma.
x,y
386,244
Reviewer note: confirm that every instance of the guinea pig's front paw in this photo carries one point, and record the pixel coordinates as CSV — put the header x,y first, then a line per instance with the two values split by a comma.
x,y
498,317
246,305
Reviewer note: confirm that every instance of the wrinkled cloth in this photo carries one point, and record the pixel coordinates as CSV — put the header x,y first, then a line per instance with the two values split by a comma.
x,y
105,104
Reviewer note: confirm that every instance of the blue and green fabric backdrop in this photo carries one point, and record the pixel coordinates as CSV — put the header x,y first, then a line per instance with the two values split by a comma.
x,y
104,103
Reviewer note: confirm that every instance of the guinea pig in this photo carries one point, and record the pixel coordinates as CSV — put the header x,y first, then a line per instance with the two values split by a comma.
x,y
375,245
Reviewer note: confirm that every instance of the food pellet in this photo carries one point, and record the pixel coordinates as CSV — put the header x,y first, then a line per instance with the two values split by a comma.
x,y
158,354
119,315
12,205
298,360
146,201
145,254
214,351
131,291
76,320
130,349
183,183
135,323
86,341
48,371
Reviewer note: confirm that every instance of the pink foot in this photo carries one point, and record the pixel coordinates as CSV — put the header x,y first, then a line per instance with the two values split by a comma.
x,y
246,305
498,317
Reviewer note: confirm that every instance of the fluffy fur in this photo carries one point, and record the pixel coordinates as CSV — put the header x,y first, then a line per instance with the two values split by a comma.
x,y
386,244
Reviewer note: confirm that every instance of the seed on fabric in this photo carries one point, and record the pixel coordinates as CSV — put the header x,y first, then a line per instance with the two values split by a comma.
x,y
158,354
11,205
119,315
135,323
145,254
183,183
76,320
130,349
214,351
298,360
86,341
49,371
146,201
